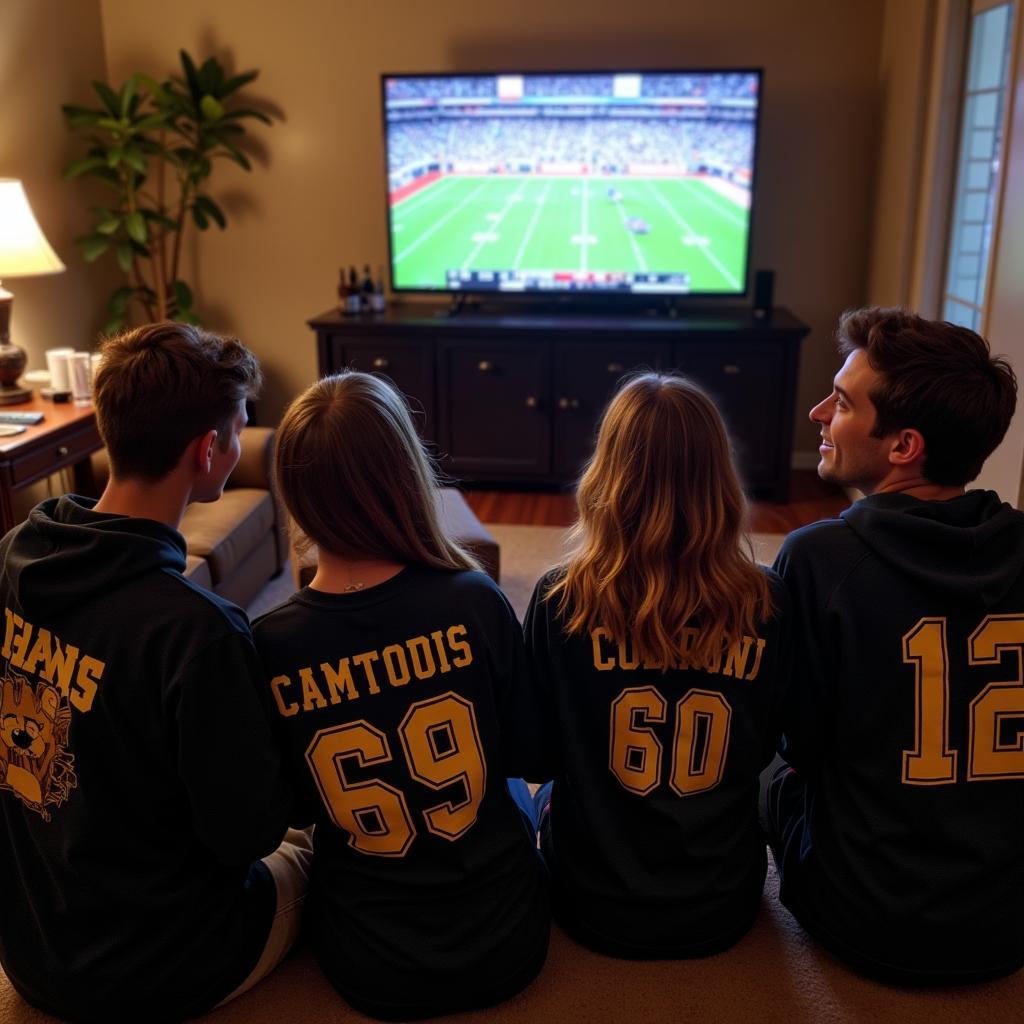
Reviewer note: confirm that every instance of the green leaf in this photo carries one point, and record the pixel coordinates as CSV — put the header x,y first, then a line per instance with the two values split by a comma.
x,y
83,165
156,217
211,210
78,117
127,94
114,156
212,109
235,154
150,122
135,160
237,115
202,221
236,83
93,246
113,325
110,98
135,225
183,296
114,125
191,77
108,223
118,302
125,254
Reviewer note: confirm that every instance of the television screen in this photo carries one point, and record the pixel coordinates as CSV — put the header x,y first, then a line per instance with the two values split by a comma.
x,y
621,183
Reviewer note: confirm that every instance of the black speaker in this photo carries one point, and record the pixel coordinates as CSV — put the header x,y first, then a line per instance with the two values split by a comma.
x,y
764,286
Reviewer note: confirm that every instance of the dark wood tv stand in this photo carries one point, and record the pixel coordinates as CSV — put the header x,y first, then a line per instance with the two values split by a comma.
x,y
513,397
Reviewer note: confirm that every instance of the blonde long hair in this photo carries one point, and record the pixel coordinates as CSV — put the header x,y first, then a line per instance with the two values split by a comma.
x,y
355,478
660,540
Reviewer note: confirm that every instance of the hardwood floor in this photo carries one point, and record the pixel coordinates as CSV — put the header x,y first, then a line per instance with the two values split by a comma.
x,y
809,500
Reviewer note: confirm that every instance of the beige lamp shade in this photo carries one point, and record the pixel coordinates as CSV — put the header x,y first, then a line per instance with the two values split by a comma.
x,y
24,250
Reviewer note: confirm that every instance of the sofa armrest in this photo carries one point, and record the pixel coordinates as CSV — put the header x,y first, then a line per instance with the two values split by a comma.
x,y
256,465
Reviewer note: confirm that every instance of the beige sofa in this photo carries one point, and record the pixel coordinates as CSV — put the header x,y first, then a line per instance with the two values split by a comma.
x,y
236,544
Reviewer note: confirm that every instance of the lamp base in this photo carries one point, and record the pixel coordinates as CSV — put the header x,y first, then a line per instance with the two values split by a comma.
x,y
11,394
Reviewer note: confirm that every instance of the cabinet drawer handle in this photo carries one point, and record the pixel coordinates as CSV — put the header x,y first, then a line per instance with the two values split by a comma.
x,y
62,451
531,402
616,367
380,363
730,368
485,366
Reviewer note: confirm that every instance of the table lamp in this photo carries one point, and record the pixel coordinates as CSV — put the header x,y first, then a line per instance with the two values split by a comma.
x,y
24,252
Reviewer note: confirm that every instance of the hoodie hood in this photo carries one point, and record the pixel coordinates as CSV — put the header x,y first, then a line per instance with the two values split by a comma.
x,y
64,553
969,543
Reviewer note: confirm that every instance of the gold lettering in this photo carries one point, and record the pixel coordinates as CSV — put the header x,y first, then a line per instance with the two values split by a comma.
x,y
311,695
339,682
21,642
276,684
438,637
601,663
422,658
12,620
365,662
462,653
395,664
757,659
89,672
627,659
736,659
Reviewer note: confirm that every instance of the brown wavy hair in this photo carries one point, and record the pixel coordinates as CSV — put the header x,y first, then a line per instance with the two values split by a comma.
x,y
355,477
660,541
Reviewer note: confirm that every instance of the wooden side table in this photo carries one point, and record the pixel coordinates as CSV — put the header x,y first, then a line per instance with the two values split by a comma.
x,y
66,437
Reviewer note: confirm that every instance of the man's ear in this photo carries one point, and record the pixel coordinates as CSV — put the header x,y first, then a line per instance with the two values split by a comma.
x,y
204,451
907,448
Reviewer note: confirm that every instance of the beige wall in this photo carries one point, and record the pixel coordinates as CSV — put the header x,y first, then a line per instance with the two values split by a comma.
x,y
49,52
317,202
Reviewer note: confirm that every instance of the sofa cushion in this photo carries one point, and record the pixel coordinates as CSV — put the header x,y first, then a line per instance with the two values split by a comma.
x,y
198,571
225,532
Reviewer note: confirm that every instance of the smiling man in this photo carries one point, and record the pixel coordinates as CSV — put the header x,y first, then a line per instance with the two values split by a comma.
x,y
896,821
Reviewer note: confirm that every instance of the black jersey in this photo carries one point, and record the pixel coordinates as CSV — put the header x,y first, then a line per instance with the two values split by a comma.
x,y
653,840
404,708
906,722
138,774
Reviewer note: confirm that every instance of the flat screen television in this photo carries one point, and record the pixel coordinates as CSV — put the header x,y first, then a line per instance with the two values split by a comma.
x,y
621,183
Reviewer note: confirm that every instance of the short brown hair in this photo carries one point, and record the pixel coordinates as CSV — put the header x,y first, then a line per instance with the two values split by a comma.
x,y
938,378
163,384
661,536
355,478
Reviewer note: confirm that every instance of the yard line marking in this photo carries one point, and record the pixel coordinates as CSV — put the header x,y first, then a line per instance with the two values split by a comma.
x,y
415,200
439,223
698,193
541,200
584,227
495,219
706,250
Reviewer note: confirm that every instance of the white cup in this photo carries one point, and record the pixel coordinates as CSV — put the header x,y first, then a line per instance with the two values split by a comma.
x,y
57,364
81,377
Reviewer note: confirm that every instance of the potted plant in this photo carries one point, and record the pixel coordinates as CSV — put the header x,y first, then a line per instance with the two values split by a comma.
x,y
154,145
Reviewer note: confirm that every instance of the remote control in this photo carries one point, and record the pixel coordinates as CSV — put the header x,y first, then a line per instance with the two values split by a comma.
x,y
21,418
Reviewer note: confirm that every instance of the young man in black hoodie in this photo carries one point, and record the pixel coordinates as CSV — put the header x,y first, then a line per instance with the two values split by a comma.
x,y
896,823
139,783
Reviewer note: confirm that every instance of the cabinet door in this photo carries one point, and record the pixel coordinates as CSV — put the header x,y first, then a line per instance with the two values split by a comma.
x,y
746,383
408,365
493,414
585,378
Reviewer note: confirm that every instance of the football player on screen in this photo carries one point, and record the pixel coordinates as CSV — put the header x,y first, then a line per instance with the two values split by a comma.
x,y
896,822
